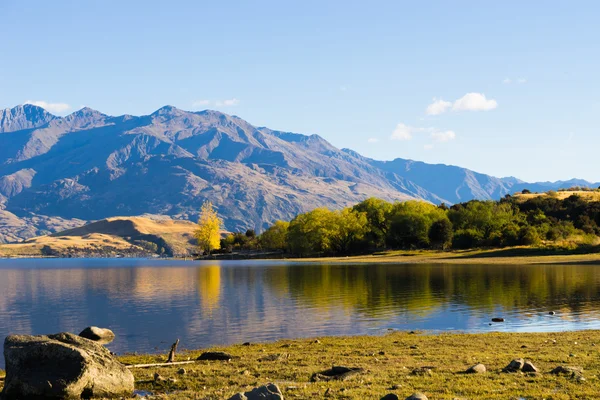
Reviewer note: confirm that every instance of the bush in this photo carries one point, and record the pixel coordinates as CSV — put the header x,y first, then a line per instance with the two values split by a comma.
x,y
528,236
467,239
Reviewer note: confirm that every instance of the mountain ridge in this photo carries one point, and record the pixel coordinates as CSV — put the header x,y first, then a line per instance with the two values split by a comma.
x,y
90,166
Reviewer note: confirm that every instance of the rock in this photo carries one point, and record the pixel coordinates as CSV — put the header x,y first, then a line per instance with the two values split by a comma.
x,y
497,319
246,344
274,357
100,335
390,396
158,378
417,396
477,369
529,367
552,313
62,366
336,373
182,371
515,365
267,392
422,371
566,370
215,356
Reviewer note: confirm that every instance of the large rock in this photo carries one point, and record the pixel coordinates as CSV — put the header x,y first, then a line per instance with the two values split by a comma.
x,y
62,366
336,373
100,335
267,392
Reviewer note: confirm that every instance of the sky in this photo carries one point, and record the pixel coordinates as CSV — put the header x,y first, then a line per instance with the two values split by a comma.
x,y
508,88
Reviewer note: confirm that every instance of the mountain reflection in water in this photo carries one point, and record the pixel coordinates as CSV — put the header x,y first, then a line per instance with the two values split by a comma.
x,y
150,303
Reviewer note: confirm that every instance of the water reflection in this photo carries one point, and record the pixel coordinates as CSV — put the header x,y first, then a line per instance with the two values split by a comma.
x,y
150,303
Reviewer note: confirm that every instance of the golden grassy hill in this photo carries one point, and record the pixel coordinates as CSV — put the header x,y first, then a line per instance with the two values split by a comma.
x,y
561,195
113,236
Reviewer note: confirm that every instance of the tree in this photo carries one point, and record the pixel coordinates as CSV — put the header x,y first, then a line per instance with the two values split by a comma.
x,y
440,234
274,238
377,212
208,232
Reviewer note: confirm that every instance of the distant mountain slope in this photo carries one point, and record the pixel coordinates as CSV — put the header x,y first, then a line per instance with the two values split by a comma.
x,y
89,166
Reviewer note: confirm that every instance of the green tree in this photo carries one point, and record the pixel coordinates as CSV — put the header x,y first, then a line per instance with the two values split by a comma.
x,y
377,212
440,234
208,232
274,238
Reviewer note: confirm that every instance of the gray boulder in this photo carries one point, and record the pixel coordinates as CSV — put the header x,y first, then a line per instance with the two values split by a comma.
x,y
417,396
390,396
477,369
529,367
62,366
515,365
100,335
269,391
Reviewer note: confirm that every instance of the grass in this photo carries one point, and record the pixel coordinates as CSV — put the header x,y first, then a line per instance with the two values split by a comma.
x,y
388,362
590,195
514,255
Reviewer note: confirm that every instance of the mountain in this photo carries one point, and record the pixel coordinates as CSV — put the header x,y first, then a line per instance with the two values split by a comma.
x,y
88,166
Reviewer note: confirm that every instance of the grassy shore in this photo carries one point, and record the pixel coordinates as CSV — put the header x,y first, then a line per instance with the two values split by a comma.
x,y
389,362
512,255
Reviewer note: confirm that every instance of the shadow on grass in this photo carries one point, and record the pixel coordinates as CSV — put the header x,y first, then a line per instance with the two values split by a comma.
x,y
535,252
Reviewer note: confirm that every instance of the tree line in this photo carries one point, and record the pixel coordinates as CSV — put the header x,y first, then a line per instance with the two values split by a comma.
x,y
375,225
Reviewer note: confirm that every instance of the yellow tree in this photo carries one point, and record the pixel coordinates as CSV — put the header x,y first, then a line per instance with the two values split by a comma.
x,y
208,232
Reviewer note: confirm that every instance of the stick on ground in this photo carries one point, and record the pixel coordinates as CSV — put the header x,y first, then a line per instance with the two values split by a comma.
x,y
171,357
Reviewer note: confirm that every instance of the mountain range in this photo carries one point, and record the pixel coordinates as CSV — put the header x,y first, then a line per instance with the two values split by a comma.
x,y
58,172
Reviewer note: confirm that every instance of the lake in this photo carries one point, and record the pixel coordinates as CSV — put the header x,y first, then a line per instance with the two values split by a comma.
x,y
151,303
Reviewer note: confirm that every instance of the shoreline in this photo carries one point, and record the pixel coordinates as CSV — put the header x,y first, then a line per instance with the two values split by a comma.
x,y
397,362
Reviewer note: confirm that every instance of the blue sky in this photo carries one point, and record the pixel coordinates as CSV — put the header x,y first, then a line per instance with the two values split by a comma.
x,y
505,88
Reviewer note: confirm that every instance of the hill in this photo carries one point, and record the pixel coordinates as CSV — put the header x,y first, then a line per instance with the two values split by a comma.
x,y
56,172
143,235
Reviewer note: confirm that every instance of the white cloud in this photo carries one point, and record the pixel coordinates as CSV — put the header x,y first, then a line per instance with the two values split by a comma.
x,y
227,103
443,136
507,81
474,102
402,132
405,132
438,106
216,103
469,102
51,107
373,140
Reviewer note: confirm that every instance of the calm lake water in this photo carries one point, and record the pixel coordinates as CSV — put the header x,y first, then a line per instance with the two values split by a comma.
x,y
151,303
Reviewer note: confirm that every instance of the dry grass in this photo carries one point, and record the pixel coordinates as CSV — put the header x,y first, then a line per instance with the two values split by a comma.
x,y
389,361
513,255
112,234
584,194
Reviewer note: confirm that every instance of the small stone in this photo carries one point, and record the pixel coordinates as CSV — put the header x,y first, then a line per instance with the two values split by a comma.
x,y
336,373
246,344
414,347
182,371
245,372
395,387
497,319
529,367
158,378
267,392
317,341
422,371
417,396
172,380
566,370
477,369
571,355
390,396
382,353
552,313
515,365
523,347
580,379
